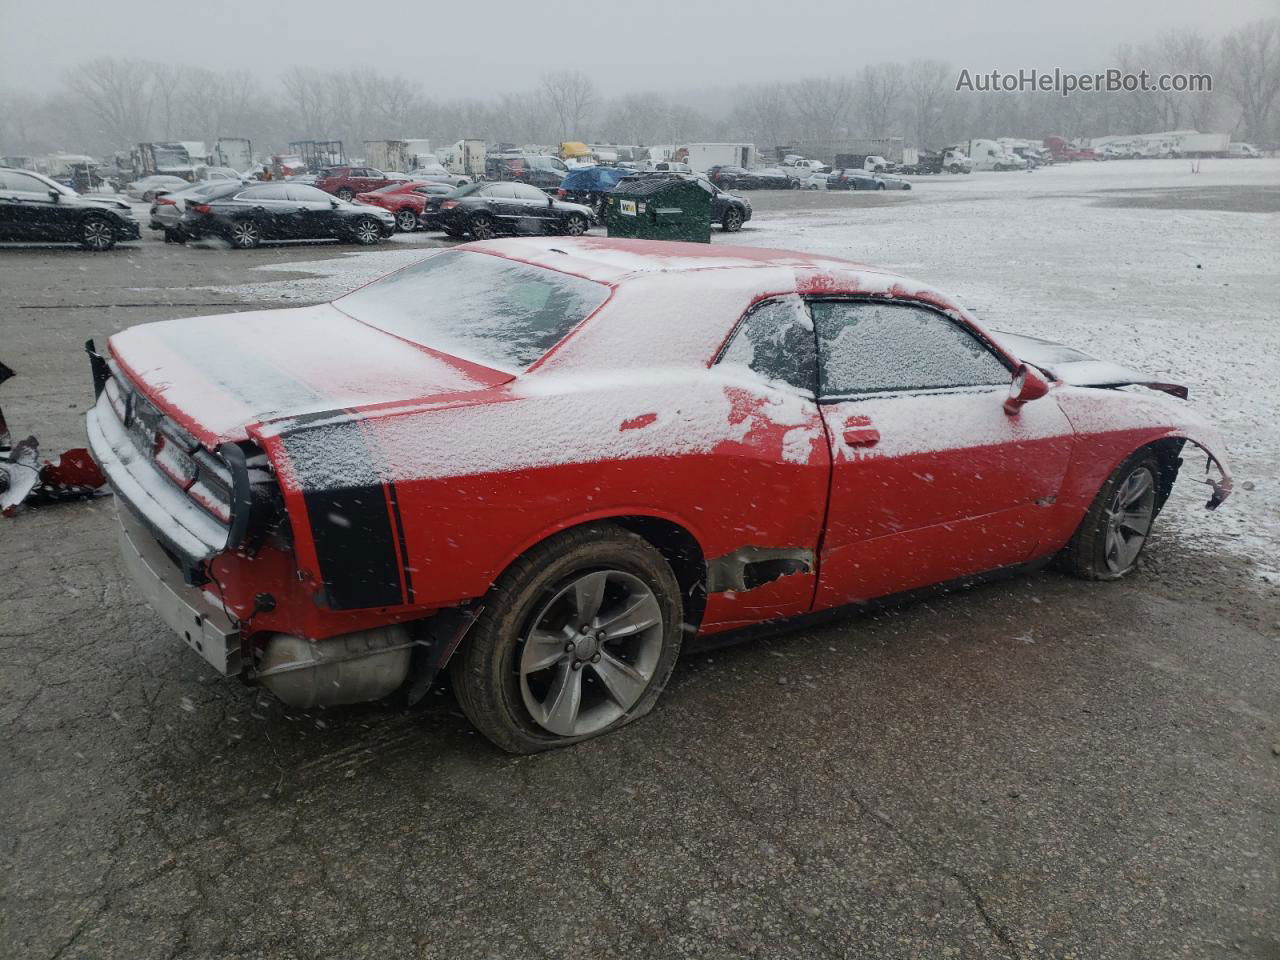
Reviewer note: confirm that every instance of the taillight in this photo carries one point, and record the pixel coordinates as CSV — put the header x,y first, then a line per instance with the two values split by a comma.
x,y
201,208
448,204
165,201
562,193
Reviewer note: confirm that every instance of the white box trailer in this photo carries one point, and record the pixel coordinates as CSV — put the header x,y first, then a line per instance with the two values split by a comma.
x,y
991,155
701,157
389,156
465,157
1204,144
233,152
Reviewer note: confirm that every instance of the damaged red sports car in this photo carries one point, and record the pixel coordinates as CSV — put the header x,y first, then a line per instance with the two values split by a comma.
x,y
546,463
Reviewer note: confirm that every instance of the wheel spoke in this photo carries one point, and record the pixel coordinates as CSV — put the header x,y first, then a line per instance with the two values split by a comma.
x,y
560,708
1135,522
640,613
1137,487
588,594
624,683
542,650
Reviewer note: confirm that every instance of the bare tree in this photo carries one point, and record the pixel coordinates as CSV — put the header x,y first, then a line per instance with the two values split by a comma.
x,y
764,116
1251,63
927,90
118,94
878,98
572,96
822,104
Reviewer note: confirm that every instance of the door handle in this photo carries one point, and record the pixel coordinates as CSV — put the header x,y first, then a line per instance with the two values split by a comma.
x,y
859,432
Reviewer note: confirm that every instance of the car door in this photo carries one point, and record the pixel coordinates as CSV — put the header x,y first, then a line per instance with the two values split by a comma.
x,y
27,212
315,214
536,212
780,463
500,201
931,479
270,207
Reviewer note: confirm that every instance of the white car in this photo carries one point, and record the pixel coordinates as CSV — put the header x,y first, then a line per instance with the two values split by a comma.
x,y
147,188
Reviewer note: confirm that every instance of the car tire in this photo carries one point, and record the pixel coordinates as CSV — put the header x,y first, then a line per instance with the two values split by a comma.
x,y
148,196
575,225
732,221
955,168
506,679
796,185
880,186
406,221
345,193
366,231
481,227
1114,531
97,234
244,235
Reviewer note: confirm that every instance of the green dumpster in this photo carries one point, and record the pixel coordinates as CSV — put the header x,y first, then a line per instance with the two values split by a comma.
x,y
660,208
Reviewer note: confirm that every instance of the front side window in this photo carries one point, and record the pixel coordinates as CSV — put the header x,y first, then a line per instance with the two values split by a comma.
x,y
498,312
775,339
866,347
300,191
275,191
525,192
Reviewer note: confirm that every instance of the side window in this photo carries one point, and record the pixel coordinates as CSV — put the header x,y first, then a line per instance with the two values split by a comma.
x,y
526,192
893,347
776,341
276,191
22,183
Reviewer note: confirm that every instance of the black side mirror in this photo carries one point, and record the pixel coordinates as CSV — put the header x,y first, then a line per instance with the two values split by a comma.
x,y
551,201
335,203
55,196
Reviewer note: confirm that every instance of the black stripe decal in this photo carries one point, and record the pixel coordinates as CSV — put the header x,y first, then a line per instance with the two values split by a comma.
x,y
352,533
404,551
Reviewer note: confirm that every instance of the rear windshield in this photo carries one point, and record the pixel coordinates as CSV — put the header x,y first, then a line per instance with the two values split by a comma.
x,y
482,308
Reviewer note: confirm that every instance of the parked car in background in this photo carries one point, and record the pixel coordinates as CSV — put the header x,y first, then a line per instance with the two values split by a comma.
x,y
406,201
36,208
853,179
590,186
726,176
345,182
285,211
893,182
546,465
728,210
147,188
437,173
168,209
765,178
808,180
538,170
485,210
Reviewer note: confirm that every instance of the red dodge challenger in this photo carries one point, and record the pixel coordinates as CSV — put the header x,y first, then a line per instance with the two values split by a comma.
x,y
406,200
546,463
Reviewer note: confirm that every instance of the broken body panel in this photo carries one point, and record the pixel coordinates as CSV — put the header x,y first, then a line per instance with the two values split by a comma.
x,y
396,481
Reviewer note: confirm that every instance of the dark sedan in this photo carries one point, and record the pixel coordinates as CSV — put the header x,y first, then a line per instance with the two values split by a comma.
x,y
36,208
168,210
766,178
853,180
726,176
286,211
484,210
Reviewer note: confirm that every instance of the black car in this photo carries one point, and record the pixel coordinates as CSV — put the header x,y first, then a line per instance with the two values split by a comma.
x,y
766,178
34,207
484,210
537,170
853,180
727,210
726,176
285,211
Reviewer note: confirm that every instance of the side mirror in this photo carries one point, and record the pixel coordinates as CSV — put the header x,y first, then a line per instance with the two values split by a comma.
x,y
551,201
335,203
1027,385
55,196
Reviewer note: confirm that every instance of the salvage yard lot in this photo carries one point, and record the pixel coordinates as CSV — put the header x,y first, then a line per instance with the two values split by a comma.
x,y
1038,768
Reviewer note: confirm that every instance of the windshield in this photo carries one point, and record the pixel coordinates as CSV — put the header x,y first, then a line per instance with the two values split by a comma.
x,y
487,309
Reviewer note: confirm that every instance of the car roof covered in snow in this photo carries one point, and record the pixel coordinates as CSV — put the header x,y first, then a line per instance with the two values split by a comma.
x,y
675,303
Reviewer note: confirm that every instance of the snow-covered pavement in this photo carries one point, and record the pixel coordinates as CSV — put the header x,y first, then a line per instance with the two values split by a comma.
x,y
1144,262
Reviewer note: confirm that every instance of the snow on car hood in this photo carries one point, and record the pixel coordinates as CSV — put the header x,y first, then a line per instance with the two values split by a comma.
x,y
218,375
1078,368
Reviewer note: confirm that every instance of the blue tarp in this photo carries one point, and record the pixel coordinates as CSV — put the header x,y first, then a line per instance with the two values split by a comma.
x,y
592,179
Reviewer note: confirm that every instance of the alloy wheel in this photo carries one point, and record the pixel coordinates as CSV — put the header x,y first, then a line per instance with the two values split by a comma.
x,y
244,235
590,652
575,227
1128,520
97,234
406,221
367,232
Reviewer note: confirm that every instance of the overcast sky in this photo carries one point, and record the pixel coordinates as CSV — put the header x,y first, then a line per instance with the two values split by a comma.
x,y
482,47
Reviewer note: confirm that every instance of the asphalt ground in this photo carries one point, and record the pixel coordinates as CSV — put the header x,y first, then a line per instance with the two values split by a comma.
x,y
1038,767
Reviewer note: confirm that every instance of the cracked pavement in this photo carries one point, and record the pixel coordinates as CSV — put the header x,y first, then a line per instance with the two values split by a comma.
x,y
1038,768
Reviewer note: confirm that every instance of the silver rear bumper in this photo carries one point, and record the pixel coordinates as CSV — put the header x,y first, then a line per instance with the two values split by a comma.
x,y
203,626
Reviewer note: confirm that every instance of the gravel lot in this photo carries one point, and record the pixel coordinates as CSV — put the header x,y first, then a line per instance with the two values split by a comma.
x,y
1035,768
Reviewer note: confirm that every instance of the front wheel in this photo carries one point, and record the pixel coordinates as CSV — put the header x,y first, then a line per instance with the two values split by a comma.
x,y
96,233
732,221
576,639
1110,538
576,225
366,232
406,221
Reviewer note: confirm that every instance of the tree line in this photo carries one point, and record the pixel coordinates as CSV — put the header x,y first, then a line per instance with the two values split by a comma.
x,y
110,103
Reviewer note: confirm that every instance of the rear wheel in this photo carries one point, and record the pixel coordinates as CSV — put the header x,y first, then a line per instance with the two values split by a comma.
x,y
344,193
406,221
732,221
577,638
245,235
96,233
1110,538
481,227
366,231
